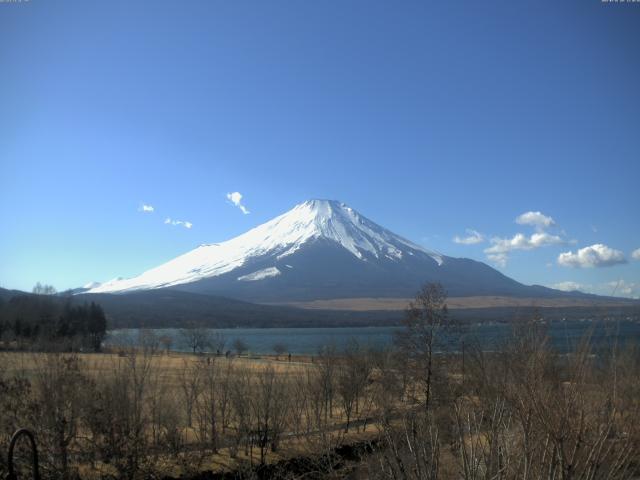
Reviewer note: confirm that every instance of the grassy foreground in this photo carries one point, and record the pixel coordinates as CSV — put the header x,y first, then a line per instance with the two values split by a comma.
x,y
521,411
187,413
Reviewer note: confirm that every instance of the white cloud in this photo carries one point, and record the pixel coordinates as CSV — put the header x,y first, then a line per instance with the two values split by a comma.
x,y
597,255
146,208
499,259
521,242
636,254
472,238
182,223
236,199
567,286
616,288
536,219
498,252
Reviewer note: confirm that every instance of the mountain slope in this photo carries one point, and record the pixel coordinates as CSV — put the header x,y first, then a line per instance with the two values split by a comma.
x,y
166,308
320,249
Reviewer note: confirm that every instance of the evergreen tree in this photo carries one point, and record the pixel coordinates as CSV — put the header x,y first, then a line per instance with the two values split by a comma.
x,y
97,326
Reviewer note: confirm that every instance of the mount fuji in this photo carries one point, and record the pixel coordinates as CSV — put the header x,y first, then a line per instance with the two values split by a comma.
x,y
320,249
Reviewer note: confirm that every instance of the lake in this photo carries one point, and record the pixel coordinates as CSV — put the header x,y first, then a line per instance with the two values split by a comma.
x,y
564,336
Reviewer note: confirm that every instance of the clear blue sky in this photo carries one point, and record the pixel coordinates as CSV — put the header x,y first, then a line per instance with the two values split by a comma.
x,y
428,117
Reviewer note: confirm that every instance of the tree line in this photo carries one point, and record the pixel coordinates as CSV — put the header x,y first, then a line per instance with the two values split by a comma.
x,y
45,320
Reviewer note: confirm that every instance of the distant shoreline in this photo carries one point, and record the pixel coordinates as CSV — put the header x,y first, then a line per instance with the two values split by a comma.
x,y
365,304
307,340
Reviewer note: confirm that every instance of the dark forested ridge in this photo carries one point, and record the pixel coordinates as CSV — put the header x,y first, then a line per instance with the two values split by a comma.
x,y
49,320
164,308
173,308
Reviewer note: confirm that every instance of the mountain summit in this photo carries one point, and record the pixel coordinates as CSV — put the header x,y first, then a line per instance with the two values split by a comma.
x,y
319,249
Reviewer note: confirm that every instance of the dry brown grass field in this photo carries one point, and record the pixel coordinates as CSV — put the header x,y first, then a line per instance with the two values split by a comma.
x,y
396,304
173,378
171,364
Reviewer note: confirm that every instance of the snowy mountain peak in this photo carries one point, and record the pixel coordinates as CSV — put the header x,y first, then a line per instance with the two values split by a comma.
x,y
313,220
336,221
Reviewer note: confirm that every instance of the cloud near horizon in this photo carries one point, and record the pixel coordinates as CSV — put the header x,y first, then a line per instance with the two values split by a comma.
x,y
472,238
501,247
535,219
236,199
636,254
616,288
182,223
597,255
627,289
568,286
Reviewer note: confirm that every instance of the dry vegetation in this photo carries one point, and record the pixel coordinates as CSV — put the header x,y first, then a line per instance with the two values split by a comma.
x,y
520,412
365,304
141,412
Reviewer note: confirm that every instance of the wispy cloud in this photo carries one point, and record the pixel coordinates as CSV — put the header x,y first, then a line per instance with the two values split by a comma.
x,y
535,219
501,247
616,288
175,223
636,254
597,255
473,237
499,259
146,208
568,286
622,288
236,199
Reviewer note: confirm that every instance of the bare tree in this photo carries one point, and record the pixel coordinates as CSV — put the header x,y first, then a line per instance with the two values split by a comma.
x,y
148,340
425,319
279,349
40,289
327,364
240,393
190,385
117,417
197,339
218,342
240,346
353,375
223,397
531,413
411,448
58,385
207,403
269,405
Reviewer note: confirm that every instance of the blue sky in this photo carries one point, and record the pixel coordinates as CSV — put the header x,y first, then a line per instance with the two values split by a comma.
x,y
428,117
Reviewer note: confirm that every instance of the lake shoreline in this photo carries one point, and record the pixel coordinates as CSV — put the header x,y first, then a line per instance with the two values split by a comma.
x,y
309,340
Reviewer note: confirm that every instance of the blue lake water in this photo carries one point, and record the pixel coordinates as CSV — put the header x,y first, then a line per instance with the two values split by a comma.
x,y
563,335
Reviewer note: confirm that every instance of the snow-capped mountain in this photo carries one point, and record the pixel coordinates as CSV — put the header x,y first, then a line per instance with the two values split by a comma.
x,y
277,239
319,249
